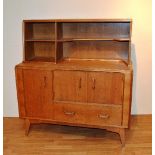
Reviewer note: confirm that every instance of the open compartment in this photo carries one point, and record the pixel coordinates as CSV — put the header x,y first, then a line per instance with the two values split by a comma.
x,y
95,50
39,30
95,30
39,51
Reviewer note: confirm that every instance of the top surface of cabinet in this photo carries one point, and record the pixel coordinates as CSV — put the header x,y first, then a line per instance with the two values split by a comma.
x,y
59,40
79,20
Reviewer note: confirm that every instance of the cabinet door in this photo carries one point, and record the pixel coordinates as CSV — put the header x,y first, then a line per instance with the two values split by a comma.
x,y
105,87
38,93
70,86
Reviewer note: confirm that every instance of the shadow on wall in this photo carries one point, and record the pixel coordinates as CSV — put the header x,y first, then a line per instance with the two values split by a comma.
x,y
134,62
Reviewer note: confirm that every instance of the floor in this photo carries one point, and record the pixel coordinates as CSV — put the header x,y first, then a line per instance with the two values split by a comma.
x,y
48,139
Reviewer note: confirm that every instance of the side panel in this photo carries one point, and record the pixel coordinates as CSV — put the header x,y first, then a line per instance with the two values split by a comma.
x,y
127,99
20,92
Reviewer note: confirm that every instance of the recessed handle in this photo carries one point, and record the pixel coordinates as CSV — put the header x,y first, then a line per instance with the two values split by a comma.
x,y
69,113
80,80
45,81
94,83
104,116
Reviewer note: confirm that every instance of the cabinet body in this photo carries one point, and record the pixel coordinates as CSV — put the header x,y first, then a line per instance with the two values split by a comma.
x,y
95,98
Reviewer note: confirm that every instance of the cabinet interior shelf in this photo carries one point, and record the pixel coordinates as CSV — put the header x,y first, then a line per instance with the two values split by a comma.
x,y
93,39
43,59
48,40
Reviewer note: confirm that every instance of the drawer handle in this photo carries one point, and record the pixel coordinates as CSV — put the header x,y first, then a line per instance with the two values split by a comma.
x,y
103,116
69,113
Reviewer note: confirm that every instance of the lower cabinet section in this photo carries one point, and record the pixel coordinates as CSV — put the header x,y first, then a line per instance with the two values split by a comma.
x,y
91,114
81,98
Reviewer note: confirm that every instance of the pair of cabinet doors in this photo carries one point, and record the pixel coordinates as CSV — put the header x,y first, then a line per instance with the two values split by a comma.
x,y
44,87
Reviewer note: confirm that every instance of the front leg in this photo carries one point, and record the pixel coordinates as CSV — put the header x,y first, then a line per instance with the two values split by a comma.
x,y
27,126
122,136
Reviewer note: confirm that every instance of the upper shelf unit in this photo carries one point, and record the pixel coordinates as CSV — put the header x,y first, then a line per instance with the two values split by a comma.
x,y
52,40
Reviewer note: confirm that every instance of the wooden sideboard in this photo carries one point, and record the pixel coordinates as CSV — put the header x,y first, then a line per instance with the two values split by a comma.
x,y
76,72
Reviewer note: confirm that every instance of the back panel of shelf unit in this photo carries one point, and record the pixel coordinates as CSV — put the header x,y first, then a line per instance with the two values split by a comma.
x,y
39,30
39,50
96,30
96,50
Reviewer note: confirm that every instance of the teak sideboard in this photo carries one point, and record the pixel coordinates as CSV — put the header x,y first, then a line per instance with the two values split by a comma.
x,y
76,72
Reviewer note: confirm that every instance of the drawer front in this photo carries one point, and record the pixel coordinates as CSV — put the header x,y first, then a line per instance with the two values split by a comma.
x,y
96,114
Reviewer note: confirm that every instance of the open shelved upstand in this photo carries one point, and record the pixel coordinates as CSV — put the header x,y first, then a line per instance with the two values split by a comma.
x,y
58,40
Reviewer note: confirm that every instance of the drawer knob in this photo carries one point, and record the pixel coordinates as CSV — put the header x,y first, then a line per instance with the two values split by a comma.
x,y
103,116
69,113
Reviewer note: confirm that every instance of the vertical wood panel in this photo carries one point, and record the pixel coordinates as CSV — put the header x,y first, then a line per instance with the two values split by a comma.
x,y
105,88
20,92
70,86
127,98
38,93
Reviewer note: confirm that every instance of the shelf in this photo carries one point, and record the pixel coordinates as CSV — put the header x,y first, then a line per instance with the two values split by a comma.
x,y
42,59
79,39
46,40
93,39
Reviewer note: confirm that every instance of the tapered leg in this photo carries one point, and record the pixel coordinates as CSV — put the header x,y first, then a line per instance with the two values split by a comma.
x,y
27,126
120,131
122,136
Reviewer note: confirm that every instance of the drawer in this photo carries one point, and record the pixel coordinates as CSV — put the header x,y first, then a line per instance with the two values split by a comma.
x,y
104,115
90,114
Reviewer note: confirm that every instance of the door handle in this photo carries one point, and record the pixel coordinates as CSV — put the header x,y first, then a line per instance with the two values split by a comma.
x,y
94,83
45,81
80,83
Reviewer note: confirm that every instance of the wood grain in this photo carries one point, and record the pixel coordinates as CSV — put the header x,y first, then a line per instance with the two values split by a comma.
x,y
96,50
90,79
100,38
96,30
80,65
105,88
70,86
89,114
20,92
38,93
64,140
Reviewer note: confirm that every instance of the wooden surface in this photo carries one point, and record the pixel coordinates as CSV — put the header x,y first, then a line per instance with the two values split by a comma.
x,y
69,86
90,67
38,93
76,64
105,87
96,49
88,114
97,39
80,20
47,139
